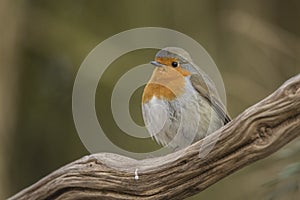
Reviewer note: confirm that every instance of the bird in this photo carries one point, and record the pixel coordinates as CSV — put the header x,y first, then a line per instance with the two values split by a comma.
x,y
180,103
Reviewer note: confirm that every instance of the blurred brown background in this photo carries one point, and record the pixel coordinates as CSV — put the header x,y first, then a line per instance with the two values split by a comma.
x,y
255,44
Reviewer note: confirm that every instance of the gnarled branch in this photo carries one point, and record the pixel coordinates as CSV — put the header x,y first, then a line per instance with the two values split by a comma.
x,y
256,133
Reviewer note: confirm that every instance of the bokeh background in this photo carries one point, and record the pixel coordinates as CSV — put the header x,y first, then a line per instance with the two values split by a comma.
x,y
255,44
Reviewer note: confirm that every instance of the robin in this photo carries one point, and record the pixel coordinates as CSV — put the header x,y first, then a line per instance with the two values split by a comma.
x,y
180,104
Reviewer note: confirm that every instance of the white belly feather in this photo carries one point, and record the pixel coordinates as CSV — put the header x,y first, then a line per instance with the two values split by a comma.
x,y
180,122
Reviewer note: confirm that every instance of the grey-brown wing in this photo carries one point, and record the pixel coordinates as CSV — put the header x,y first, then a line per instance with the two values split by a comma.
x,y
207,89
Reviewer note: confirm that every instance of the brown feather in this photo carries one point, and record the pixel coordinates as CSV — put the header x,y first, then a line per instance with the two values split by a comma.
x,y
210,95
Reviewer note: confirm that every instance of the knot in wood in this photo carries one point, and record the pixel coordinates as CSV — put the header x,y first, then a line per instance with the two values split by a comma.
x,y
293,90
264,133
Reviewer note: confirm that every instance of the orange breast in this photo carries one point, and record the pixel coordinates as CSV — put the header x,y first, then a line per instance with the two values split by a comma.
x,y
165,83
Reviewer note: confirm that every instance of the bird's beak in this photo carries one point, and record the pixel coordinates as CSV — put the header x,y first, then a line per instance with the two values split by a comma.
x,y
157,64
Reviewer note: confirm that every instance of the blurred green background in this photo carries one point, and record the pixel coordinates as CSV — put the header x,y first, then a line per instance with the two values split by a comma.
x,y
255,44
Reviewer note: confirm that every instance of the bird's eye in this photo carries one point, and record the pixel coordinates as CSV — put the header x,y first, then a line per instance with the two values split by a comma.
x,y
174,64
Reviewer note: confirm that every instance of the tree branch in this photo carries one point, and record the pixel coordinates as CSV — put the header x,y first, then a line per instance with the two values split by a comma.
x,y
256,133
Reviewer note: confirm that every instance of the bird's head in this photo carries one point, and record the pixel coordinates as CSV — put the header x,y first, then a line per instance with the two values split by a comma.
x,y
176,58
